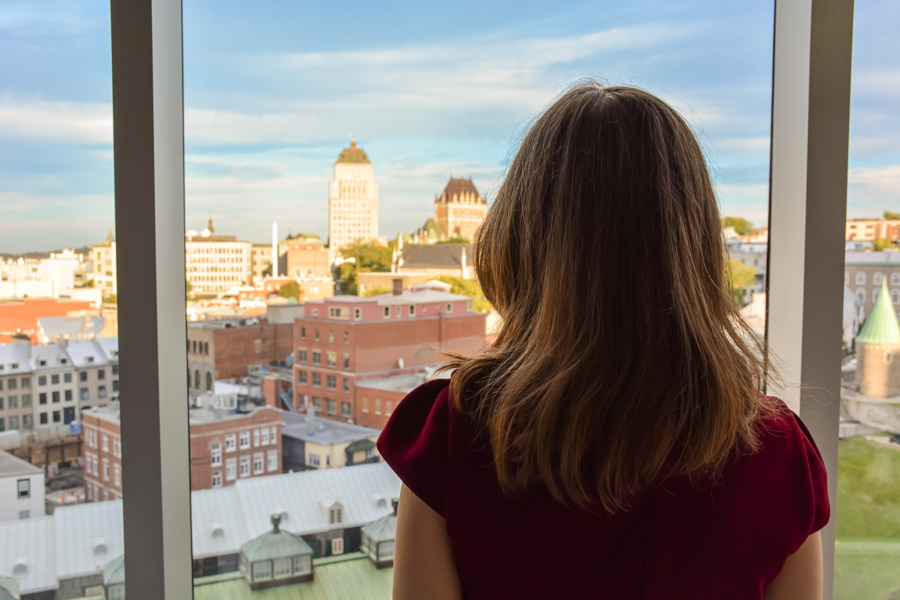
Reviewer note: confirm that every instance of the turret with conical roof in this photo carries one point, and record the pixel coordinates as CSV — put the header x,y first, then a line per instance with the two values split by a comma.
x,y
878,349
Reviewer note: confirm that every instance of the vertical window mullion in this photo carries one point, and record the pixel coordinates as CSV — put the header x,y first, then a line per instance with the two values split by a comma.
x,y
148,138
807,216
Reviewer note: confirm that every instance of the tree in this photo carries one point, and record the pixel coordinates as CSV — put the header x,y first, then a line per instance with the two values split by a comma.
x,y
376,291
290,290
891,216
363,257
739,277
741,225
470,288
881,243
457,239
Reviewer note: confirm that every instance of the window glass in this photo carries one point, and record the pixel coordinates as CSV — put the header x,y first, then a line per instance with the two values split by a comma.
x,y
868,486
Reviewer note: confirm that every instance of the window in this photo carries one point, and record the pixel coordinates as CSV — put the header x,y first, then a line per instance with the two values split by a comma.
x,y
314,460
105,469
317,380
317,357
330,336
357,314
115,369
215,454
860,277
301,377
331,382
230,442
67,378
26,382
54,379
217,479
11,384
55,396
115,385
42,380
876,278
377,406
388,406
101,374
258,463
13,402
346,362
345,409
117,474
14,422
387,312
895,296
57,417
412,310
82,376
101,391
317,402
302,399
245,466
27,422
861,294
23,488
301,355
316,332
68,395
895,278
105,439
303,333
272,458
337,546
346,338
281,568
24,514
365,406
331,357
245,440
264,437
449,307
335,515
42,418
332,407
369,453
83,395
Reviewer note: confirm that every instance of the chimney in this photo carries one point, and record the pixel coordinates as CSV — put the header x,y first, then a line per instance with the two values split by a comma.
x,y
274,249
276,523
398,286
394,503
353,144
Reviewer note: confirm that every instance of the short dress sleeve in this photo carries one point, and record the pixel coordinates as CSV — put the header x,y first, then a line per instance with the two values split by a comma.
x,y
817,507
415,442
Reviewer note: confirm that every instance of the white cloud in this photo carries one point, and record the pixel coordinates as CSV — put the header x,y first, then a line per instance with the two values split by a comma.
x,y
67,122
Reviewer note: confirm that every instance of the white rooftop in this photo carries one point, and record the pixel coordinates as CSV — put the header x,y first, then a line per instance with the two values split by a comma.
x,y
400,383
12,466
15,358
323,431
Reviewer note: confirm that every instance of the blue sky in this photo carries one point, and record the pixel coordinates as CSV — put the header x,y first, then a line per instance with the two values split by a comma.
x,y
273,91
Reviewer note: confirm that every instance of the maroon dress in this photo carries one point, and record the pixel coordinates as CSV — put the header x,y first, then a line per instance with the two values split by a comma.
x,y
723,541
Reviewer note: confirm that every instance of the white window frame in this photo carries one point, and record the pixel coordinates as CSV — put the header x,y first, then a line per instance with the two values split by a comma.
x,y
230,469
265,436
230,442
215,454
272,461
244,468
810,123
244,440
259,463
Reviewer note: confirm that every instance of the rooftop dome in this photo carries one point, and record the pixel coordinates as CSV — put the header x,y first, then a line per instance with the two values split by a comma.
x,y
882,327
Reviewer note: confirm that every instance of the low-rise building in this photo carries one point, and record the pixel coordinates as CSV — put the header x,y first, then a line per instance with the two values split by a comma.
x,y
311,443
215,264
21,489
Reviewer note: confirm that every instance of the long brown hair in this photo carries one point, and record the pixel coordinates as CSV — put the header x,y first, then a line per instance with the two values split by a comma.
x,y
622,359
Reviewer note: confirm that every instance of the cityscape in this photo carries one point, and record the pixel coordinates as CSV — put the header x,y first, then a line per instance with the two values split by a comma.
x,y
326,272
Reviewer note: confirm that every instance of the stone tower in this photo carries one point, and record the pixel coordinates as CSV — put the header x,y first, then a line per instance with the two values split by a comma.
x,y
352,200
878,350
460,209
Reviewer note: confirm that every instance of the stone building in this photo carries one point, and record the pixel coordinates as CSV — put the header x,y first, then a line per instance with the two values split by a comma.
x,y
103,266
352,200
878,350
460,209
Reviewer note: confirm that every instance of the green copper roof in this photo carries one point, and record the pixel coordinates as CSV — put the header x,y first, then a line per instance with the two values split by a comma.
x,y
275,544
353,154
114,571
882,327
382,530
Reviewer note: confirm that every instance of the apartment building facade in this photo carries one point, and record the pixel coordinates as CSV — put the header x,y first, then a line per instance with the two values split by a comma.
x,y
103,266
215,264
346,339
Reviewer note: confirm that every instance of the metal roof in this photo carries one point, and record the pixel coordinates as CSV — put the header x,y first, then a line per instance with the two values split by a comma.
x,y
73,328
323,431
382,530
114,571
87,537
18,354
27,553
217,528
275,544
881,327
87,354
54,357
336,578
11,466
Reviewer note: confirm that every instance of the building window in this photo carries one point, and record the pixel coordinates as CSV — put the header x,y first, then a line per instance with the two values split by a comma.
x,y
101,374
377,406
57,417
230,469
369,453
330,336
245,440
265,437
197,379
317,403
345,409
346,338
388,406
876,278
332,407
115,385
302,400
301,355
357,314
105,469
27,422
258,463
387,312
13,422
303,333
335,515
272,458
12,400
365,407
215,454
68,395
317,357
316,331
26,382
55,396
331,358
245,466
101,391
860,277
346,362
449,307
331,382
895,296
83,395
54,379
412,310
861,294
230,442
895,278
67,378
301,377
23,488
217,479
42,419
117,474
209,382
82,376
115,369
314,460
105,439
42,380
317,380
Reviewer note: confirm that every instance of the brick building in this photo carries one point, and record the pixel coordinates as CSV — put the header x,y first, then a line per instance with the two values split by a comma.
x,y
460,209
872,229
307,256
224,348
227,443
346,339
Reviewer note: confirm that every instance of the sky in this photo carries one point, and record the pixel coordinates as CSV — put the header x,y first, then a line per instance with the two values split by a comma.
x,y
275,89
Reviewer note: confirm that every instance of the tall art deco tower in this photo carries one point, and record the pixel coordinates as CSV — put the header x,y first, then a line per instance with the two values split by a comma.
x,y
352,200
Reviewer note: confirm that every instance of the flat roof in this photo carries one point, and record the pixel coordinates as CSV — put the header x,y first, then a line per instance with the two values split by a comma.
x,y
323,431
399,383
11,466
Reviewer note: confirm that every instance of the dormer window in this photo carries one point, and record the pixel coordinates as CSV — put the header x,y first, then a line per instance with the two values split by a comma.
x,y
336,514
90,359
42,363
63,361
